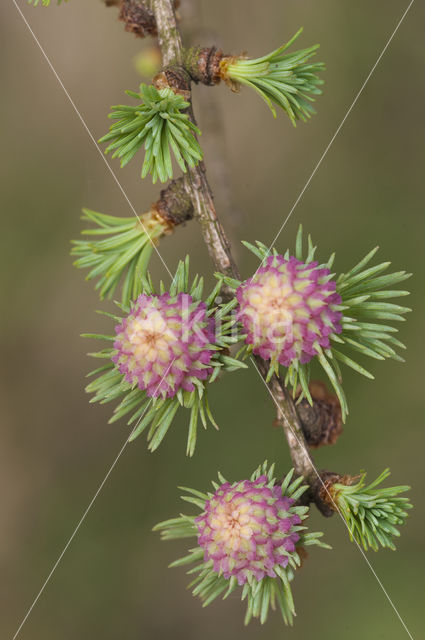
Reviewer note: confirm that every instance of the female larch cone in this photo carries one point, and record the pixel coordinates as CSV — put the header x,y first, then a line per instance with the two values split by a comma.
x,y
164,344
247,529
288,309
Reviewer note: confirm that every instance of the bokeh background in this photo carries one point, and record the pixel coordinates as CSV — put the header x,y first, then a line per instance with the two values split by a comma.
x,y
55,448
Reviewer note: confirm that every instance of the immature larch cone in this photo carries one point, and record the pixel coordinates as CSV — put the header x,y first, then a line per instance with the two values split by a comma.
x,y
288,309
247,529
164,344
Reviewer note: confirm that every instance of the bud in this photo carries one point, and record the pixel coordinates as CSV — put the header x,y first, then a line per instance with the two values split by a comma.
x,y
322,421
138,17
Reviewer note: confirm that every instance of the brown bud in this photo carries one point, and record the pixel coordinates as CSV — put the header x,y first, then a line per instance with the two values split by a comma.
x,y
203,64
323,491
174,205
322,422
137,16
174,78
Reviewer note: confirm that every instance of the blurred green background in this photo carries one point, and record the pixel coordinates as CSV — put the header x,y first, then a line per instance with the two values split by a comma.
x,y
55,448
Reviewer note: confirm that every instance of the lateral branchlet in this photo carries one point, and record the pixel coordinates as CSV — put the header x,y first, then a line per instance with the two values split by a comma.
x,y
117,250
372,513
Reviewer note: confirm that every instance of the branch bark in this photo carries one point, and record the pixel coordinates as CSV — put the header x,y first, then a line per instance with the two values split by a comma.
x,y
219,248
196,181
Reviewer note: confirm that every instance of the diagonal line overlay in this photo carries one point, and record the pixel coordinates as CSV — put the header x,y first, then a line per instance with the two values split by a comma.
x,y
332,140
83,517
322,157
333,502
166,267
83,122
